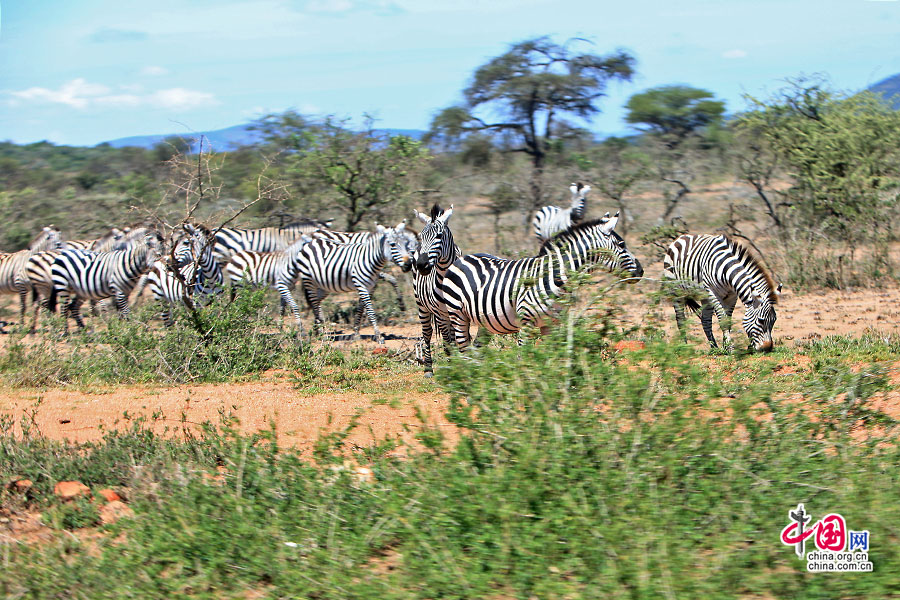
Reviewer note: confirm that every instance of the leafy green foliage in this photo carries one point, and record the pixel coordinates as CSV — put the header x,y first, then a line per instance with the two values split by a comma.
x,y
674,112
581,472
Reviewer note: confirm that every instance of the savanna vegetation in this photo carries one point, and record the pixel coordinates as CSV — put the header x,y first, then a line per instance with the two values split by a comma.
x,y
576,470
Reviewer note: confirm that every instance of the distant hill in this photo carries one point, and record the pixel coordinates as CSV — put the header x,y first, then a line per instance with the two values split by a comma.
x,y
228,138
889,88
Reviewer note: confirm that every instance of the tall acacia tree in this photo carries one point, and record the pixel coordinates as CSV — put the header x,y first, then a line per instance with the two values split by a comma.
x,y
672,117
525,95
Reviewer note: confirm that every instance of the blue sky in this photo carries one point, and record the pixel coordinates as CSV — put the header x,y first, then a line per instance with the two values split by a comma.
x,y
83,71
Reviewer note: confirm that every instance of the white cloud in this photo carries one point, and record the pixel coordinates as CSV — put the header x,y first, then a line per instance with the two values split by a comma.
x,y
81,94
181,98
736,53
154,71
76,93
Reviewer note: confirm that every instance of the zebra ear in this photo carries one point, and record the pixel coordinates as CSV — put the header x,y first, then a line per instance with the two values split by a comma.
x,y
422,217
778,290
380,228
609,225
446,216
584,191
573,189
401,226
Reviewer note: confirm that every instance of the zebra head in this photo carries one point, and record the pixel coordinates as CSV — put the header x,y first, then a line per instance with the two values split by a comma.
x,y
435,240
48,239
404,245
613,253
759,318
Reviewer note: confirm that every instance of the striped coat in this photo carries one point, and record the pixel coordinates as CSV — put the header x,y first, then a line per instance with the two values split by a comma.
x,y
327,267
504,295
551,220
13,279
709,273
436,253
198,273
80,275
230,240
278,270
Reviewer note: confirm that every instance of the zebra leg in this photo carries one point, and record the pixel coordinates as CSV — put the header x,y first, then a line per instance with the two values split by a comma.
x,y
23,300
357,319
393,281
288,300
314,300
724,312
706,314
678,305
121,302
427,330
366,303
461,324
74,309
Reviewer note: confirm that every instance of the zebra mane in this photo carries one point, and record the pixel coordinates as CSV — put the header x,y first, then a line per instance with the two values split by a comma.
x,y
43,234
754,258
565,234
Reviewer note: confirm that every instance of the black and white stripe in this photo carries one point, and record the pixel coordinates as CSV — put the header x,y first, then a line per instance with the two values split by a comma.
x,y
504,295
709,274
13,279
80,275
198,273
437,251
230,240
278,270
328,267
406,243
551,220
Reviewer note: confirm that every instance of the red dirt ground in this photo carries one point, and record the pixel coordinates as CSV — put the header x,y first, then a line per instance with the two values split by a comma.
x,y
299,418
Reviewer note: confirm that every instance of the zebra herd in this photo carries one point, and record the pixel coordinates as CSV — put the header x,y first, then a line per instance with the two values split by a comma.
x,y
452,290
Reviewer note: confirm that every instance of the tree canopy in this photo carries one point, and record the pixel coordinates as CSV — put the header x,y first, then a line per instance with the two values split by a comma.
x,y
674,111
529,92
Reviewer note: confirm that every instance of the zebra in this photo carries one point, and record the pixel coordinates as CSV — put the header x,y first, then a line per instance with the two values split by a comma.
x,y
106,243
278,270
504,295
329,267
551,220
198,273
12,265
722,270
436,253
230,240
97,275
407,243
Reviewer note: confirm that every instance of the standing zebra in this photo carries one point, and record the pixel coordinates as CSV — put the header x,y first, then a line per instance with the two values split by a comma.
x,y
278,270
230,241
722,270
504,295
407,243
12,265
198,273
437,252
551,220
327,267
96,275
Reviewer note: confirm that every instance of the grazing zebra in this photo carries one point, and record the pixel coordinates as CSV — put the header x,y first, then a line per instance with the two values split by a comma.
x,y
267,239
722,270
200,274
96,275
551,220
436,253
278,270
407,243
12,265
504,295
327,267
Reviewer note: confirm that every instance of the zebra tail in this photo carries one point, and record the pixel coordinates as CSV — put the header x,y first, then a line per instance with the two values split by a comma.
x,y
693,305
